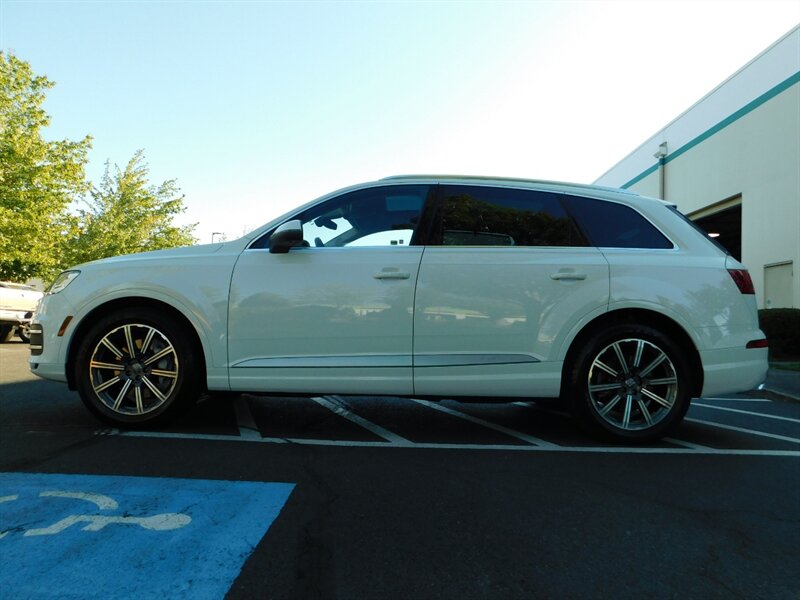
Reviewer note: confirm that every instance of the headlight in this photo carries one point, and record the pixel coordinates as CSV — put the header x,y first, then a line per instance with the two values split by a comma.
x,y
62,281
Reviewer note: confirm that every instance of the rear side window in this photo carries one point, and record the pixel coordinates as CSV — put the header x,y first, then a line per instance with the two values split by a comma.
x,y
611,225
486,216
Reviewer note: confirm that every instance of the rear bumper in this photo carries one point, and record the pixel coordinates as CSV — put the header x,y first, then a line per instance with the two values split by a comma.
x,y
731,370
15,317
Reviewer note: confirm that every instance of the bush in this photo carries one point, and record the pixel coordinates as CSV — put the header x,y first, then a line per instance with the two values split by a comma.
x,y
782,326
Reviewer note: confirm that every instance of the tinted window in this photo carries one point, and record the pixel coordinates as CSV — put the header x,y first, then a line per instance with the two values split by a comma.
x,y
699,229
485,216
383,216
611,225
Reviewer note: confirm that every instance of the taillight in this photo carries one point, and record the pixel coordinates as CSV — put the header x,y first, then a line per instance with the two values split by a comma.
x,y
742,280
758,344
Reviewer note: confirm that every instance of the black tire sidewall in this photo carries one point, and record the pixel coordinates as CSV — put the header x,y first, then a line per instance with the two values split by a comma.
x,y
6,331
581,404
187,386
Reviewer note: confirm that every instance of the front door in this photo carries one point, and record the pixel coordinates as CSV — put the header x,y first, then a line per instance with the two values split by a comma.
x,y
335,316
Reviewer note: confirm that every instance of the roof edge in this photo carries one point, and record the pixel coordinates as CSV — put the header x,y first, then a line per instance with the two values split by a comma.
x,y
488,178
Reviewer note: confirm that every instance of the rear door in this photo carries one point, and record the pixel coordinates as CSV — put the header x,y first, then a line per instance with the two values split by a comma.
x,y
505,276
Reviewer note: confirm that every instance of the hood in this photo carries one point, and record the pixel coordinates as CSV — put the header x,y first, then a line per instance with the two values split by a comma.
x,y
170,253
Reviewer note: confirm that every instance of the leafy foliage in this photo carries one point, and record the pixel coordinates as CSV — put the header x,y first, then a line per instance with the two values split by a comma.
x,y
38,178
126,214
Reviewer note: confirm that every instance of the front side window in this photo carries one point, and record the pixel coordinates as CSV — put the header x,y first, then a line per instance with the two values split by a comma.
x,y
612,225
486,216
383,216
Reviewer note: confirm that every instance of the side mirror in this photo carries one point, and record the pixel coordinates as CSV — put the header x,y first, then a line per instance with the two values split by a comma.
x,y
287,236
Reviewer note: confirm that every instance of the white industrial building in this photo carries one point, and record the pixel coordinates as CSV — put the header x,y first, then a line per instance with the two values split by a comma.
x,y
731,162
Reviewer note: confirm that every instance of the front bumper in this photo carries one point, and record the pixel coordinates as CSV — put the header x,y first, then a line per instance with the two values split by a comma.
x,y
48,350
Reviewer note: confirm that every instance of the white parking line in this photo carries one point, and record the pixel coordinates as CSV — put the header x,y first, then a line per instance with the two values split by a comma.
x,y
216,437
747,412
434,446
337,405
516,434
773,436
244,419
685,444
737,399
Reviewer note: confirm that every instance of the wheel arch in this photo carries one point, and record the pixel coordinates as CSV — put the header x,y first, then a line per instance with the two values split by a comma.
x,y
637,316
126,303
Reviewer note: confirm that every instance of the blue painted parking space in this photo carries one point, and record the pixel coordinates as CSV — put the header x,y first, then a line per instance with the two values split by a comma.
x,y
87,536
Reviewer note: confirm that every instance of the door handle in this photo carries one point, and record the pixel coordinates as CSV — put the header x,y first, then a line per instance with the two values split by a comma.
x,y
568,276
392,274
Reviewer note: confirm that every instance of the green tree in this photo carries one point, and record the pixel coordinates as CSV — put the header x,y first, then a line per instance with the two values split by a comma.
x,y
126,214
38,178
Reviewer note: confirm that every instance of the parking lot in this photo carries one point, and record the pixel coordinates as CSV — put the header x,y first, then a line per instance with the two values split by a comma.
x,y
407,498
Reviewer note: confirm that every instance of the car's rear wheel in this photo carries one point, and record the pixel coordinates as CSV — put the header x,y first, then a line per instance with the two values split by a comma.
x,y
24,332
6,331
630,382
137,367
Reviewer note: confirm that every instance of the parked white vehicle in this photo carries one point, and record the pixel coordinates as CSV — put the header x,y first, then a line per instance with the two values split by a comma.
x,y
430,286
17,303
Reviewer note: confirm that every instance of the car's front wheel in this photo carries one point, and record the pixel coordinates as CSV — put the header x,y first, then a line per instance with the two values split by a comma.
x,y
631,382
137,367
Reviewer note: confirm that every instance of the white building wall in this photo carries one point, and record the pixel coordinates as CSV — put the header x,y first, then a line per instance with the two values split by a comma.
x,y
741,140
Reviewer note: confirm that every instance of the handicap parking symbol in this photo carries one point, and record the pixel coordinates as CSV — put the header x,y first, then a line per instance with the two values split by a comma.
x,y
88,536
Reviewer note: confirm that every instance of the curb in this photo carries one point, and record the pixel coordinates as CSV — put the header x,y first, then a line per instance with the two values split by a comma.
x,y
783,394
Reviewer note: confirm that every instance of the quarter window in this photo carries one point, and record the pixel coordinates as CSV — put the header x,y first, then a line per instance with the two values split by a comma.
x,y
612,225
486,216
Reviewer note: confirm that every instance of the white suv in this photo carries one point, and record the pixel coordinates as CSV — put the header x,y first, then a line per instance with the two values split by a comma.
x,y
444,287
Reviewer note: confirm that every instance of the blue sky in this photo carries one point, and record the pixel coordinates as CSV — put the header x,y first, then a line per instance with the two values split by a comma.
x,y
256,107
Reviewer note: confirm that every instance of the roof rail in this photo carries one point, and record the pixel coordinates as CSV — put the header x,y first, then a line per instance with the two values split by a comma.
x,y
507,179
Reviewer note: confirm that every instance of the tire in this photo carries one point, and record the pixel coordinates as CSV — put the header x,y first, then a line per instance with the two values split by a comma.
x,y
23,333
150,386
631,383
6,331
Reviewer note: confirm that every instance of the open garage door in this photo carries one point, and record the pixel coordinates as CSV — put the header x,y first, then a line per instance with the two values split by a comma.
x,y
724,223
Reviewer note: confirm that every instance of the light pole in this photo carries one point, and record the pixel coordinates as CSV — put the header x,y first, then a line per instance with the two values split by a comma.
x,y
661,155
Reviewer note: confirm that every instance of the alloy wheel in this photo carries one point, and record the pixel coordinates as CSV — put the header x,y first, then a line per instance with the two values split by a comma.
x,y
134,369
632,384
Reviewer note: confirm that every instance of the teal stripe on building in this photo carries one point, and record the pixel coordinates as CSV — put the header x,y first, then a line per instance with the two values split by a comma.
x,y
747,108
